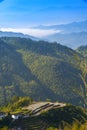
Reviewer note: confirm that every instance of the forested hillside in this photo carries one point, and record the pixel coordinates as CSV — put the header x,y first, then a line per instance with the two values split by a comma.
x,y
41,70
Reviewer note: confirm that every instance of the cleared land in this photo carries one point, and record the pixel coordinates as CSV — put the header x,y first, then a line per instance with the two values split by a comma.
x,y
37,108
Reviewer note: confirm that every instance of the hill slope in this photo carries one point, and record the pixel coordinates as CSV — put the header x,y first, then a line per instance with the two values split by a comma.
x,y
54,119
40,70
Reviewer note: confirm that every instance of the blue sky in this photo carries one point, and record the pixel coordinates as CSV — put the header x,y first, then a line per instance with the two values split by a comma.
x,y
26,13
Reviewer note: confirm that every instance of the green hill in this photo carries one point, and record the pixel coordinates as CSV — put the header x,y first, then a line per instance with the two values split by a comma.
x,y
40,70
82,50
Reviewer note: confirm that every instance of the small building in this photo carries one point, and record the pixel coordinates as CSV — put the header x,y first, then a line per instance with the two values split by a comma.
x,y
16,116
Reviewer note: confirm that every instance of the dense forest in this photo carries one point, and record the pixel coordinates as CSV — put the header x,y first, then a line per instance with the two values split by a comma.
x,y
42,70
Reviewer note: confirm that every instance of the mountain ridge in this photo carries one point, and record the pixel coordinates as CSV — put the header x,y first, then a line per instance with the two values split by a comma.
x,y
74,26
72,34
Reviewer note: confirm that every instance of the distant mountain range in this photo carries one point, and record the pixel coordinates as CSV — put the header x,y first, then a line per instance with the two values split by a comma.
x,y
68,28
72,40
72,35
13,34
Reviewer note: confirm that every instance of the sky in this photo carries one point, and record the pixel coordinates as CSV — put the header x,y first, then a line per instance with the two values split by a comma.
x,y
20,15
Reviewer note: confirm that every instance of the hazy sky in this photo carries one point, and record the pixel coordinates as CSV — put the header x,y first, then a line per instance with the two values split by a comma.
x,y
26,13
